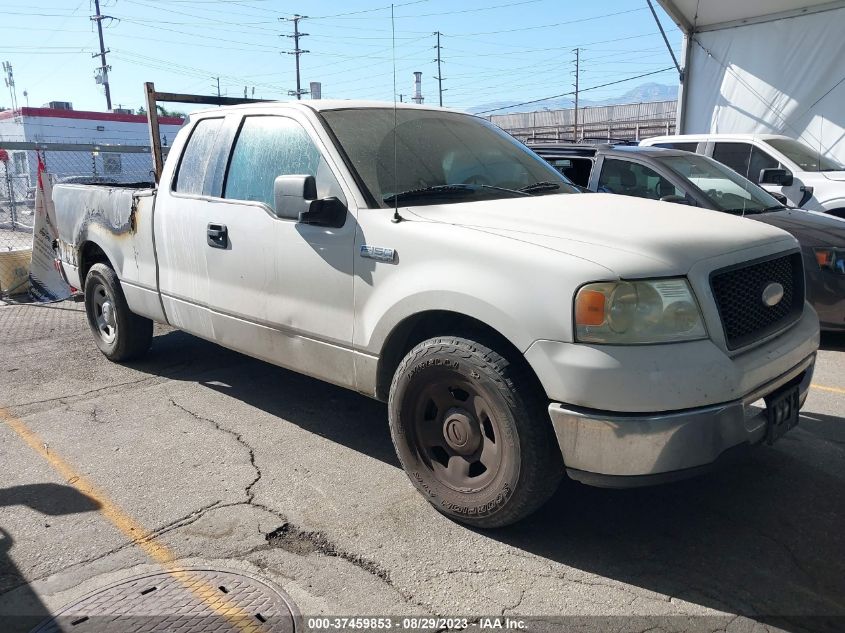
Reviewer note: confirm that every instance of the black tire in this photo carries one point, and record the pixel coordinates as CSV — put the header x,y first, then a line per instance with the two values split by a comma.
x,y
119,333
454,401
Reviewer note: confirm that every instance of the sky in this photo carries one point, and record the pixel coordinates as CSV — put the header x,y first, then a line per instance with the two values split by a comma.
x,y
492,50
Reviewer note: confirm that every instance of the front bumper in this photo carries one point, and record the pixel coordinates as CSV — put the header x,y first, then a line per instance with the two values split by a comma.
x,y
630,449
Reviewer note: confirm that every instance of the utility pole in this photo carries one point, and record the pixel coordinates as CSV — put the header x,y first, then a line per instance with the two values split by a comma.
x,y
296,51
439,77
103,76
218,87
10,82
577,77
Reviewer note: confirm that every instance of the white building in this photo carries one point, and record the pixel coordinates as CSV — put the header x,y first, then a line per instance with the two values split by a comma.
x,y
63,125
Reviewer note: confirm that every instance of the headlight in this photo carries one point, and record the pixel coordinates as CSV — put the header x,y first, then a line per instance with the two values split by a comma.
x,y
631,312
831,259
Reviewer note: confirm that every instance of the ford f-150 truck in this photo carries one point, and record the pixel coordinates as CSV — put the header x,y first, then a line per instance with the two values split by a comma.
x,y
517,329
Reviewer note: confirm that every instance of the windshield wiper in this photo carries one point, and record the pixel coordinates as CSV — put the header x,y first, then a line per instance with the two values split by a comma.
x,y
456,190
540,186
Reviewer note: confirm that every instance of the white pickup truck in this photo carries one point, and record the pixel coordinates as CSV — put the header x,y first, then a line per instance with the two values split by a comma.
x,y
802,176
517,329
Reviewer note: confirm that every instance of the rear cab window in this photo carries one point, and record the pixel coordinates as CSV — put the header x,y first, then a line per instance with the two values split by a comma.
x,y
196,157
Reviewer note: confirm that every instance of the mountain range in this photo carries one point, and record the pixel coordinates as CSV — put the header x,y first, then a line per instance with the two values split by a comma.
x,y
640,94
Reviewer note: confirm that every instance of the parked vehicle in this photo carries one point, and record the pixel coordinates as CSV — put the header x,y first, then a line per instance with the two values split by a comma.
x,y
424,257
685,178
779,164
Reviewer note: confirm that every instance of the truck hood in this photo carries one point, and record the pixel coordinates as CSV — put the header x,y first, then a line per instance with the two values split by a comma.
x,y
629,236
810,228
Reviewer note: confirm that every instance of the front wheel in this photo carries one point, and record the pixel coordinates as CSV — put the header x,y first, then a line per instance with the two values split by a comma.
x,y
118,332
472,433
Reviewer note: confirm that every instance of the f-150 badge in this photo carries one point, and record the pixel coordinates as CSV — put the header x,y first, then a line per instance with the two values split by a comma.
x,y
379,253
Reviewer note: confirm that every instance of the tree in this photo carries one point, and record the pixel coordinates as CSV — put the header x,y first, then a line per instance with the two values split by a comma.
x,y
162,111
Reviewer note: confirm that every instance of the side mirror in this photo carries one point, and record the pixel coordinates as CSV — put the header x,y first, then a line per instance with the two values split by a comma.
x,y
292,195
775,176
329,212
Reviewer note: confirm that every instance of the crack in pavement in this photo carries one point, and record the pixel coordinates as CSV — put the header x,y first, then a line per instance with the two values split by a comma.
x,y
287,536
160,378
250,495
514,606
290,538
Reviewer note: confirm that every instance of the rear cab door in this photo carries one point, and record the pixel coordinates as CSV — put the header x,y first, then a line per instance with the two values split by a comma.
x,y
180,221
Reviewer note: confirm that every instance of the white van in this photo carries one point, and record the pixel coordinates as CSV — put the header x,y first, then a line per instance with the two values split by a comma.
x,y
779,164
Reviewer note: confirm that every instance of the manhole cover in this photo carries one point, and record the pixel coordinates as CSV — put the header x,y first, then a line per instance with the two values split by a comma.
x,y
184,600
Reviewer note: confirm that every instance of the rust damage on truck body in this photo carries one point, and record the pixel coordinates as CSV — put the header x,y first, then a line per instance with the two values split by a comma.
x,y
108,211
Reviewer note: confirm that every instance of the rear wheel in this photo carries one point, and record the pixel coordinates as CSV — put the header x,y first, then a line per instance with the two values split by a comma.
x,y
472,433
118,332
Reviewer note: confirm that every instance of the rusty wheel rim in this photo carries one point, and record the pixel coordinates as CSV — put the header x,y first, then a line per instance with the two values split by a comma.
x,y
455,432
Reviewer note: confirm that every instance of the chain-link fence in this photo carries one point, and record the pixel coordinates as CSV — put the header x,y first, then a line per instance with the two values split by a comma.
x,y
69,163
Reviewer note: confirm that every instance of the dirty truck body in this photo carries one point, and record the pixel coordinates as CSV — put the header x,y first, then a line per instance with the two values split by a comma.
x,y
517,330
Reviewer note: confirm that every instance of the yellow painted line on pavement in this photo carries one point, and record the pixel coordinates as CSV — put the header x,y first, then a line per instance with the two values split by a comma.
x,y
139,535
831,389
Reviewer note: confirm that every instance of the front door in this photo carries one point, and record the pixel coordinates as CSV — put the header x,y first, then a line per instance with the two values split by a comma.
x,y
748,160
278,289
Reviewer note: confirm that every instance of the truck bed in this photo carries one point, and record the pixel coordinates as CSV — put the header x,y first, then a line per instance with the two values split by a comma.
x,y
118,218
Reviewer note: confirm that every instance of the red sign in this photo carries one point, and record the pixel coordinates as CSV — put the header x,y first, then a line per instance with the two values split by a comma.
x,y
4,156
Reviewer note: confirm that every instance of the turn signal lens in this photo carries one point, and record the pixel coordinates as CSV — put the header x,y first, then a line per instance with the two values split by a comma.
x,y
824,257
831,259
638,312
589,307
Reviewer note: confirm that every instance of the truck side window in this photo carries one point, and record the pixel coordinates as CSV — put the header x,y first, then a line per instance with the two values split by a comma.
x,y
634,179
734,155
192,167
272,146
576,169
759,160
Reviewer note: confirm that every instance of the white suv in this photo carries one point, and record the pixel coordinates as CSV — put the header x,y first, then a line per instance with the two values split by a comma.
x,y
779,164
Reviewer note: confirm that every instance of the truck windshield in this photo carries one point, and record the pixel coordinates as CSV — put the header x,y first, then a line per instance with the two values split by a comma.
x,y
803,156
725,188
440,157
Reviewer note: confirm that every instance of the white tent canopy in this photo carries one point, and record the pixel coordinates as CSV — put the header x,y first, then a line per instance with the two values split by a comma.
x,y
764,66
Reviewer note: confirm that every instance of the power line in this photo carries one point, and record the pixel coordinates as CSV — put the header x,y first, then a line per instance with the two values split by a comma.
x,y
567,94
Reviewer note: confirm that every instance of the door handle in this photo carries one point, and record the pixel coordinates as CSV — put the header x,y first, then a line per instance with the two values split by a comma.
x,y
217,236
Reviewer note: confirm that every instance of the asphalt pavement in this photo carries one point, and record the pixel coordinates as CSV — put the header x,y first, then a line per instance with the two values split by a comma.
x,y
197,457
